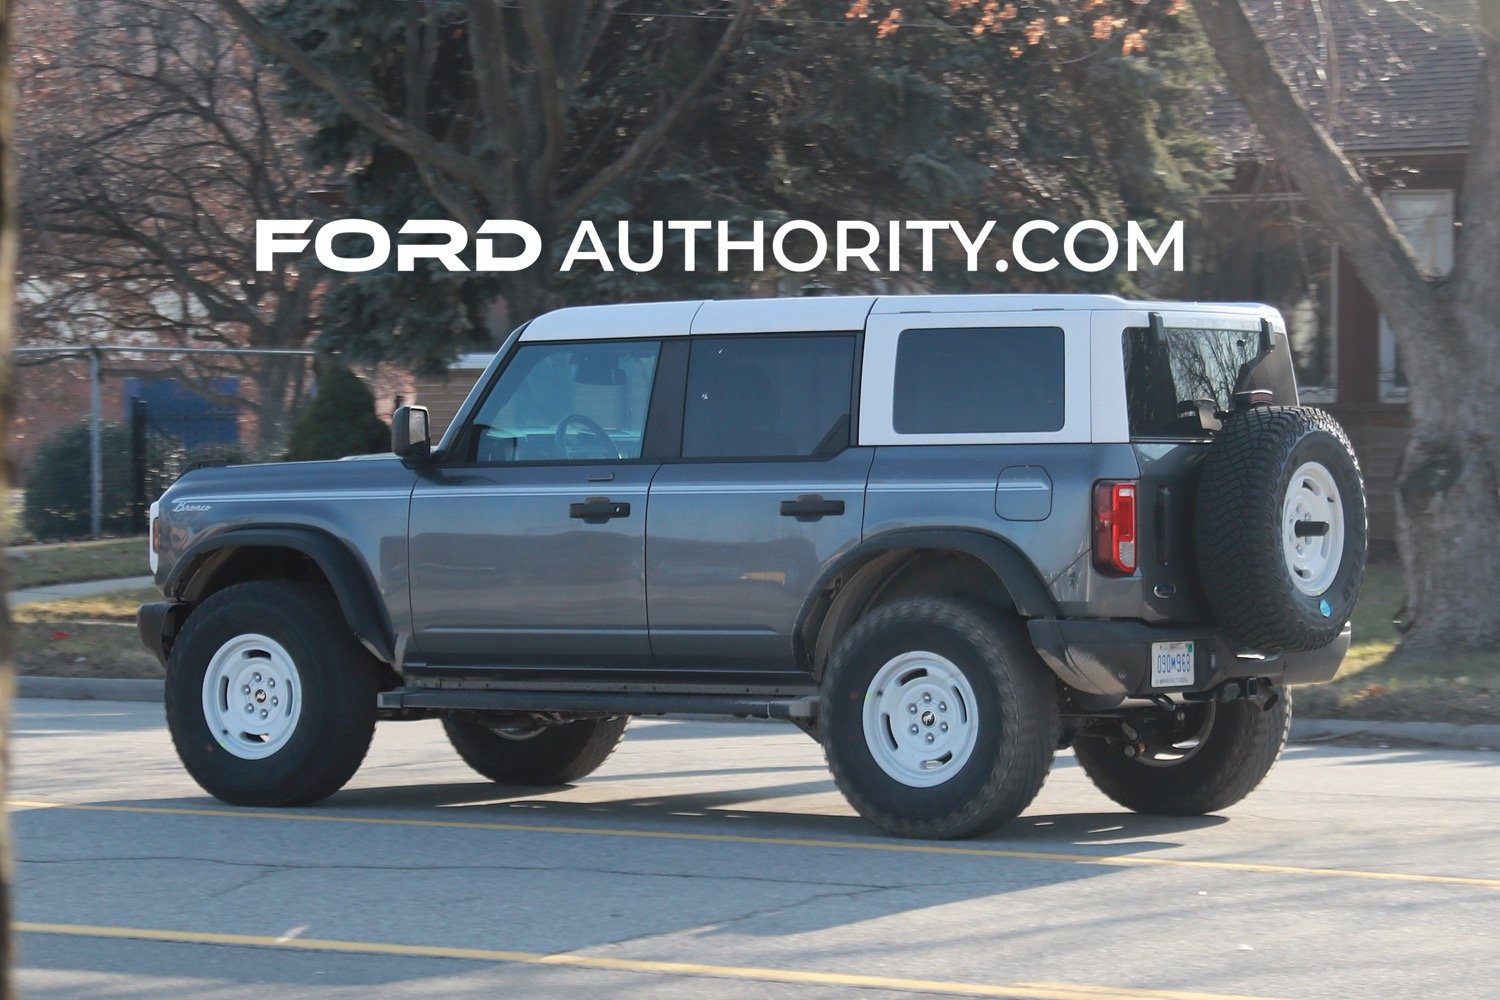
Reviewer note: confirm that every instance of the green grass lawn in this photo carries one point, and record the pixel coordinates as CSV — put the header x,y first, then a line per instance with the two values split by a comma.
x,y
84,637
1464,689
72,562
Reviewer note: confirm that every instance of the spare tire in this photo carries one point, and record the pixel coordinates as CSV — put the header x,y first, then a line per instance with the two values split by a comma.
x,y
1280,528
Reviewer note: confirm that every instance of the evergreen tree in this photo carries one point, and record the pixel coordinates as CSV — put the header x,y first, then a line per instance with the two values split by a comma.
x,y
561,111
339,421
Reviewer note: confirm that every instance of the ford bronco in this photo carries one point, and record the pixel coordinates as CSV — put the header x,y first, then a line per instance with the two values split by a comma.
x,y
944,535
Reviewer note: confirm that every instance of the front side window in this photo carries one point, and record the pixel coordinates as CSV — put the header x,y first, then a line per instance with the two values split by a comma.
x,y
575,402
979,380
768,397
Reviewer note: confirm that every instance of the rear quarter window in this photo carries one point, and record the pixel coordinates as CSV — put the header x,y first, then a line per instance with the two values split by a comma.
x,y
980,380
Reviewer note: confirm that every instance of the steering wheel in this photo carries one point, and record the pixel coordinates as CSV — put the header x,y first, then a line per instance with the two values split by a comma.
x,y
589,427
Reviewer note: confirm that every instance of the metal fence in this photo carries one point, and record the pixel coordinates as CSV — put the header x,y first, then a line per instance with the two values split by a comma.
x,y
99,431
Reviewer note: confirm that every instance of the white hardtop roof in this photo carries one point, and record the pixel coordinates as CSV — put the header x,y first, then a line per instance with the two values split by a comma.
x,y
819,313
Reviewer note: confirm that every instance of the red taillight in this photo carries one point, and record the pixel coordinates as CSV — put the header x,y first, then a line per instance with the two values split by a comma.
x,y
1114,528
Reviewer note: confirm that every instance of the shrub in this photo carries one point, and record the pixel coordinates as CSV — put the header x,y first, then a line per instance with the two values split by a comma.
x,y
57,480
339,421
57,483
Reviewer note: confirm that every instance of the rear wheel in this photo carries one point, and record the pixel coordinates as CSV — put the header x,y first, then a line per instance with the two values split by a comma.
x,y
938,719
1214,757
270,700
535,755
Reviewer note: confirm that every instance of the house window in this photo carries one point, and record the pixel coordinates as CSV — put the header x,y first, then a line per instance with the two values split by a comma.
x,y
1425,218
1267,248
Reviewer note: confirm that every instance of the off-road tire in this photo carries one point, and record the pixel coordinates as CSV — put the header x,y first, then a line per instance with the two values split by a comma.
x,y
556,755
339,684
1238,529
1017,713
1235,757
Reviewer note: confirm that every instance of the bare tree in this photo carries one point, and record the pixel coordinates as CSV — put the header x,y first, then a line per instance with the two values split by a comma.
x,y
521,146
1448,330
152,144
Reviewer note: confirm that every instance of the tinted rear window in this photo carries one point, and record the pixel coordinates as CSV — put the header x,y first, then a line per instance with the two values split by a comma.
x,y
989,380
1195,364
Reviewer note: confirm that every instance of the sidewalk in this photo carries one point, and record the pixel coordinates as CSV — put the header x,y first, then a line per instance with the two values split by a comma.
x,y
62,591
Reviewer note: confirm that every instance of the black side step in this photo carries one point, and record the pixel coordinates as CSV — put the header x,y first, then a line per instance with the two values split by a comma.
x,y
780,705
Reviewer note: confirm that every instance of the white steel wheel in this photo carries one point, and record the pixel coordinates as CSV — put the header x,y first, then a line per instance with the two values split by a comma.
x,y
963,674
252,696
278,647
1312,528
921,719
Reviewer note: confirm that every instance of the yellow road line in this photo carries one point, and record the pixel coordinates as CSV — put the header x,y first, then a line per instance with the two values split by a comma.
x,y
889,846
1027,990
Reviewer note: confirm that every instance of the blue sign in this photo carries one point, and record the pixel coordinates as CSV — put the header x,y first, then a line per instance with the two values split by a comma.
x,y
193,419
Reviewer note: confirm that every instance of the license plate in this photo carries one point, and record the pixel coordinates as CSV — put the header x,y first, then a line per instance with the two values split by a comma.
x,y
1171,664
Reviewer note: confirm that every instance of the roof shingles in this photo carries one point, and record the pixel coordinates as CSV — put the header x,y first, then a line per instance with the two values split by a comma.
x,y
1402,73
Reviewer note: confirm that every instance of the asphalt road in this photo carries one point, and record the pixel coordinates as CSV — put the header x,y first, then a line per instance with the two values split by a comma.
x,y
717,860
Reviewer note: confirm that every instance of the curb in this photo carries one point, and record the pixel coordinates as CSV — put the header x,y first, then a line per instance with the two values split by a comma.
x,y
1441,734
90,688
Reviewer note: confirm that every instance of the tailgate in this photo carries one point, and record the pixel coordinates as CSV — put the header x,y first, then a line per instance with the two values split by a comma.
x,y
1166,556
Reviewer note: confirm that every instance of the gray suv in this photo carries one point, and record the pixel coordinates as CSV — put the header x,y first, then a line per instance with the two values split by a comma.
x,y
944,535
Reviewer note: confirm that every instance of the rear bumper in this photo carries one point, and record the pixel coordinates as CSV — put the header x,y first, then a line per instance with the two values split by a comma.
x,y
1112,659
157,624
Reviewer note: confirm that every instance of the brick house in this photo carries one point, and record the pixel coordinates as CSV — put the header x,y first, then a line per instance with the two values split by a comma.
x,y
443,393
1394,84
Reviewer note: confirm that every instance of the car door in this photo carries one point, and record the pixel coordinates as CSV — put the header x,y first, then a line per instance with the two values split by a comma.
x,y
528,542
766,492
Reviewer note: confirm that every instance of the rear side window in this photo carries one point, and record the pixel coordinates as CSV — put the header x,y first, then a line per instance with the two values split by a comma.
x,y
1162,381
768,397
988,380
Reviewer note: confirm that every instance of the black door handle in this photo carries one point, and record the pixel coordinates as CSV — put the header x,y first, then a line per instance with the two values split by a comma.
x,y
811,507
597,510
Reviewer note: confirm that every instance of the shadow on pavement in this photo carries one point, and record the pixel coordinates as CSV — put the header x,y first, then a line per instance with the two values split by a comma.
x,y
701,888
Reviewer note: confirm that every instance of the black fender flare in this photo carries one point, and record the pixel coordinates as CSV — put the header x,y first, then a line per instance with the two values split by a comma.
x,y
353,587
1014,571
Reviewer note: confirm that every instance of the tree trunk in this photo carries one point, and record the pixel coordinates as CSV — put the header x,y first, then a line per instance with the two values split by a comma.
x,y
7,334
273,385
1447,501
1448,506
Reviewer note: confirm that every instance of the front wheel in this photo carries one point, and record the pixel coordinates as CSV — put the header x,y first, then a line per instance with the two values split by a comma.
x,y
1216,755
270,700
535,755
939,719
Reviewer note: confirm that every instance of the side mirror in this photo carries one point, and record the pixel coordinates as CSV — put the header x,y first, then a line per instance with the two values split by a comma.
x,y
410,437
